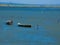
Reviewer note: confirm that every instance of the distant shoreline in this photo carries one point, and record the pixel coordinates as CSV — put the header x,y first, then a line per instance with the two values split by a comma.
x,y
30,5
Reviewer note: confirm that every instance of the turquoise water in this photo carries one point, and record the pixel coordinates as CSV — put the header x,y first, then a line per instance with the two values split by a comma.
x,y
45,28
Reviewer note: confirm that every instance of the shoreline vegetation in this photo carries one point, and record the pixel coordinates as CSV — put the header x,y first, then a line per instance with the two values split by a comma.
x,y
29,5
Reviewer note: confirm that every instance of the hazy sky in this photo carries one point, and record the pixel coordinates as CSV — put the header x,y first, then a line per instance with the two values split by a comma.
x,y
33,1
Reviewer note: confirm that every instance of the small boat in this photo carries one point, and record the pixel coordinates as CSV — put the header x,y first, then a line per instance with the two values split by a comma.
x,y
24,25
9,22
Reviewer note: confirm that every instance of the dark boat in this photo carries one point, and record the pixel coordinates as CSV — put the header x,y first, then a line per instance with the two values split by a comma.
x,y
9,22
24,25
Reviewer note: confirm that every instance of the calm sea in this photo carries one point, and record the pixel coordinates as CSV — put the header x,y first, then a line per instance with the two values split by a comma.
x,y
45,28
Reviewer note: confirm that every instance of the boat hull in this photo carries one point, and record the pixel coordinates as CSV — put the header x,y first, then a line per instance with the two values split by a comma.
x,y
24,25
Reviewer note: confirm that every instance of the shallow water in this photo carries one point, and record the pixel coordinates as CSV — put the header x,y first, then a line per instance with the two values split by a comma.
x,y
45,28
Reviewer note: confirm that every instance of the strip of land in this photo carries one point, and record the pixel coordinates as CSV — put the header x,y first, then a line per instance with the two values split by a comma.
x,y
29,5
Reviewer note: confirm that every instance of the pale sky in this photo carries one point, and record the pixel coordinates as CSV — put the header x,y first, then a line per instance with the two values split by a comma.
x,y
33,1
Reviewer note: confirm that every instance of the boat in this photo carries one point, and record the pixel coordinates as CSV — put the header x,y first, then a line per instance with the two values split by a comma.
x,y
9,22
24,25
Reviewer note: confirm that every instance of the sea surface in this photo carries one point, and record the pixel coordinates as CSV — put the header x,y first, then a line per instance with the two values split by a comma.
x,y
45,24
